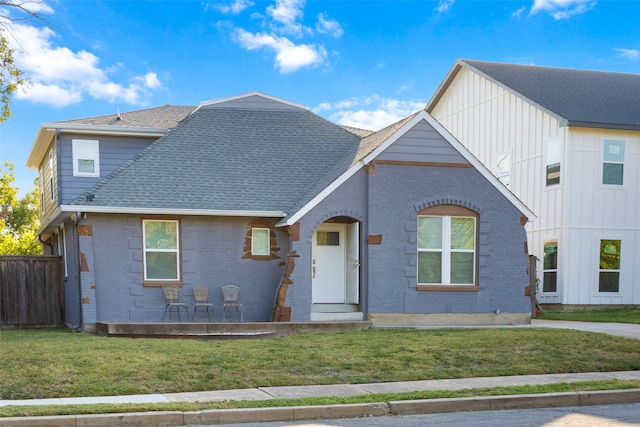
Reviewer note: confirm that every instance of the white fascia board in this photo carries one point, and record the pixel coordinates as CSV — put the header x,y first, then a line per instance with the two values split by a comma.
x,y
105,129
322,195
158,211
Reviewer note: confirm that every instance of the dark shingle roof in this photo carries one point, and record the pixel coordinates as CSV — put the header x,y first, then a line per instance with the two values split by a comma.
x,y
166,116
233,160
581,97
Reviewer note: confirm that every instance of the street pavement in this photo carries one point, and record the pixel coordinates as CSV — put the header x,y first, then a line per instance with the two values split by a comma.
x,y
337,411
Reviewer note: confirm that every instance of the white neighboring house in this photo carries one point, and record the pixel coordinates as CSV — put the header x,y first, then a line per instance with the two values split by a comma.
x,y
567,143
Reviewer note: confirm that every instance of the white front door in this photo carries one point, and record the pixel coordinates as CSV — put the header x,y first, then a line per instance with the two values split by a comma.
x,y
328,265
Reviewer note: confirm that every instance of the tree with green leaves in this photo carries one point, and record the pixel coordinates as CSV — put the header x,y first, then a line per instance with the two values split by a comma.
x,y
19,216
11,77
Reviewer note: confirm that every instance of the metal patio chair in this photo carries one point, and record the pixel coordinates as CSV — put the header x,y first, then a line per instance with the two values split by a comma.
x,y
171,296
201,296
231,295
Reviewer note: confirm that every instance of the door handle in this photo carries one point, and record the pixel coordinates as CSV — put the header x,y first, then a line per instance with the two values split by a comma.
x,y
313,269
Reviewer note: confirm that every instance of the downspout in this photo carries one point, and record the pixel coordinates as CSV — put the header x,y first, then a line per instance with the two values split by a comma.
x,y
76,236
42,242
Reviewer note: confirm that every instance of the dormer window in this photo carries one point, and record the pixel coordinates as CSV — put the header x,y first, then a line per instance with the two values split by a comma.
x,y
86,158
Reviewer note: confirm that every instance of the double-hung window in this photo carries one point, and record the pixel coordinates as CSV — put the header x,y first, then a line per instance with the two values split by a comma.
x,y
550,266
161,250
86,157
609,272
613,162
554,157
447,246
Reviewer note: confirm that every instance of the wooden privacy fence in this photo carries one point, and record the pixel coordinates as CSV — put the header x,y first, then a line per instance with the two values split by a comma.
x,y
31,291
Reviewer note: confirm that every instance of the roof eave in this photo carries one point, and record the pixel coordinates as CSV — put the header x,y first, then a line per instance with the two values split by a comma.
x,y
170,211
48,130
597,125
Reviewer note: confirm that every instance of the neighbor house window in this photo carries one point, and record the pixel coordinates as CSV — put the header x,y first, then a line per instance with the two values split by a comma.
x,y
613,162
161,250
550,266
447,246
554,156
86,157
609,277
260,238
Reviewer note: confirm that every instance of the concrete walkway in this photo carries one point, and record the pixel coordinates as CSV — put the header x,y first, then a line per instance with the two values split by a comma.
x,y
343,390
340,390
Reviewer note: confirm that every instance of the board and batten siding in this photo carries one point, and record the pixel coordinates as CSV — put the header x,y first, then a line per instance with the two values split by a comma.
x,y
114,152
596,211
492,121
580,211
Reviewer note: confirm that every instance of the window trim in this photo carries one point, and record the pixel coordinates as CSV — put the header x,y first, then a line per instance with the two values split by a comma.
x,y
450,211
78,148
601,270
260,224
253,246
553,159
612,162
161,282
550,270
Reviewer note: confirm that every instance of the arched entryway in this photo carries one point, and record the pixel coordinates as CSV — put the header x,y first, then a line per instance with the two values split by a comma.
x,y
335,270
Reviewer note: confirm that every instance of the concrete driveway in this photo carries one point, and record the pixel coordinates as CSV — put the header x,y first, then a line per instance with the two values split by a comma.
x,y
628,330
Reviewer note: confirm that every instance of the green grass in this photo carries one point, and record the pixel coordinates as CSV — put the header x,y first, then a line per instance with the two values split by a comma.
x,y
58,363
620,315
53,410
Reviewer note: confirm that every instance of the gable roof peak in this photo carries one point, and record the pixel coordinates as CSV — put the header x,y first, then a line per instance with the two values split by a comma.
x,y
251,100
576,97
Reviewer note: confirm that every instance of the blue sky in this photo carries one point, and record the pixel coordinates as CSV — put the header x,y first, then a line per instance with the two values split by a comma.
x,y
359,63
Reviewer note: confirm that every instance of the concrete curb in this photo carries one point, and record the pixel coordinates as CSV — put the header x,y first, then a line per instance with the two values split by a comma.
x,y
298,413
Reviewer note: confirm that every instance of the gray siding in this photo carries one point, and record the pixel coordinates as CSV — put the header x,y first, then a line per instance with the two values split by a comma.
x,y
48,177
254,102
422,144
349,200
114,152
392,265
211,249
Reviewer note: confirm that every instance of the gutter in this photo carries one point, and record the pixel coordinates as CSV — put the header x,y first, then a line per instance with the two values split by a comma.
x,y
163,211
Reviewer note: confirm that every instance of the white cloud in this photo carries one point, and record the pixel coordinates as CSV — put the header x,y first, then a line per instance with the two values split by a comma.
x,y
562,9
629,53
284,33
444,6
234,8
518,13
289,56
329,26
60,76
372,113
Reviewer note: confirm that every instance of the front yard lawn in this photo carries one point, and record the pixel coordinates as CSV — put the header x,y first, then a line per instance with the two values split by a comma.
x,y
59,363
619,315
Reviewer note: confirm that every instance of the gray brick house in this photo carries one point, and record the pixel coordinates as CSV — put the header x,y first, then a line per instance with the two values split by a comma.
x,y
400,226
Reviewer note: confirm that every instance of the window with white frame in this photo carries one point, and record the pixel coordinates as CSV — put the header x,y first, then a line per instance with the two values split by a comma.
x,y
447,246
260,238
613,162
86,157
609,272
554,157
550,266
161,250
51,189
